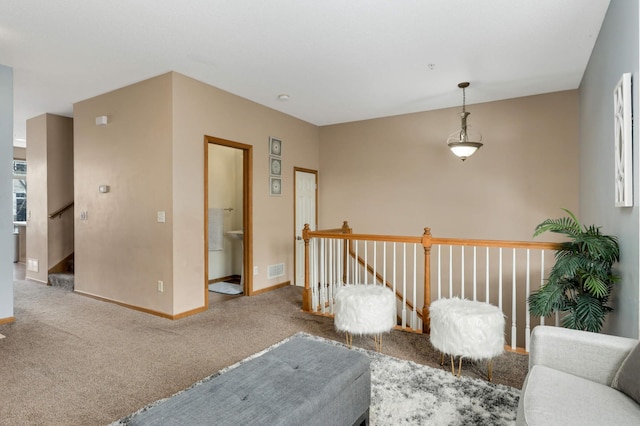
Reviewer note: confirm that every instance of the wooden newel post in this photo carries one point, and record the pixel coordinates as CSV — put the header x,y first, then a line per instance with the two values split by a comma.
x,y
426,244
306,294
345,250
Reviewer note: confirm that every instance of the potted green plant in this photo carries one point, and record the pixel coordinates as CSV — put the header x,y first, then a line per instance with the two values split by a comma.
x,y
580,282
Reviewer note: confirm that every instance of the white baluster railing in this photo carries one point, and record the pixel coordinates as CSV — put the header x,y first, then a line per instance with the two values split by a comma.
x,y
338,257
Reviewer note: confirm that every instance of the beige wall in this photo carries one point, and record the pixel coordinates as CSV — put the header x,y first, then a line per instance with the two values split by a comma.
x,y
396,175
152,155
201,110
19,153
37,233
121,249
49,187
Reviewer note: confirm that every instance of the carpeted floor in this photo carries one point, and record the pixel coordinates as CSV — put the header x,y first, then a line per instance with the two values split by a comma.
x,y
73,360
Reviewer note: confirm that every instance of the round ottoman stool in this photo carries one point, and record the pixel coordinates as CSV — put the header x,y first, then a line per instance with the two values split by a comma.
x,y
365,309
467,329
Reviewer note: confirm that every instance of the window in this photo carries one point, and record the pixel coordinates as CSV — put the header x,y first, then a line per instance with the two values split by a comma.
x,y
19,190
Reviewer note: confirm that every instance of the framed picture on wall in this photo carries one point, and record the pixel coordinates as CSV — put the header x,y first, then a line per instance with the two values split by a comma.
x,y
622,142
275,186
275,166
275,146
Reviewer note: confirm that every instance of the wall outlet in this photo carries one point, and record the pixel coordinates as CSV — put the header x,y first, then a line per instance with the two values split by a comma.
x,y
255,270
160,286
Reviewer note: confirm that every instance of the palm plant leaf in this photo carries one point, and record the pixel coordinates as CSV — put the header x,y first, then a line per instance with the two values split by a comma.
x,y
549,299
581,281
589,313
595,285
569,226
599,246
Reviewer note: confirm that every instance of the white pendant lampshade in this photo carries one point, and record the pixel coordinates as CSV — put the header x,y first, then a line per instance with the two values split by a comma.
x,y
464,142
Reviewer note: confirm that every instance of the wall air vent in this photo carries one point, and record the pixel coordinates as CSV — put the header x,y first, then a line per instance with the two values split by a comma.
x,y
275,271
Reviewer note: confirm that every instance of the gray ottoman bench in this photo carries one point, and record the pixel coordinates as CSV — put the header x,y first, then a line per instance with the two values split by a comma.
x,y
301,382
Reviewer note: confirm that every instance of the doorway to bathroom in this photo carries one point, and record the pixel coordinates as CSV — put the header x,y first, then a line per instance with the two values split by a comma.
x,y
228,219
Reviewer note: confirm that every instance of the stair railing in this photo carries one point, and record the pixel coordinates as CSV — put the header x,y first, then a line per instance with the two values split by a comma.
x,y
337,256
59,212
503,273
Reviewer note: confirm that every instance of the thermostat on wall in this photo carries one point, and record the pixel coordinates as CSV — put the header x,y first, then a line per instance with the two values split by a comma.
x,y
103,189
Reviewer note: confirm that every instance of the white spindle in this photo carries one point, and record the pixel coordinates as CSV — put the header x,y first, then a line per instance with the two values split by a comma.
x,y
404,285
527,318
500,280
450,271
486,280
462,272
394,269
322,282
350,267
330,281
365,271
313,274
339,264
414,318
541,281
375,261
475,274
384,263
356,266
439,272
513,304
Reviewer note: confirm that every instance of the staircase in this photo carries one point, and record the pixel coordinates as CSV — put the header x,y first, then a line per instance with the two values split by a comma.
x,y
63,277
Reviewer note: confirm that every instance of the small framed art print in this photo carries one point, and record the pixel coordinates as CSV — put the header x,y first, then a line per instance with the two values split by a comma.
x,y
275,166
275,147
275,186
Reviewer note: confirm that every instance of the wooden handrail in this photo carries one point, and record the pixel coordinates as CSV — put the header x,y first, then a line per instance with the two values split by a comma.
x,y
59,212
436,241
496,243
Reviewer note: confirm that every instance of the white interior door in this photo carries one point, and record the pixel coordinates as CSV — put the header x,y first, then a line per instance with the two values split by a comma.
x,y
305,210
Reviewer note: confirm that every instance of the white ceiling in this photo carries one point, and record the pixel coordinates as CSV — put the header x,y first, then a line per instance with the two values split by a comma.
x,y
339,60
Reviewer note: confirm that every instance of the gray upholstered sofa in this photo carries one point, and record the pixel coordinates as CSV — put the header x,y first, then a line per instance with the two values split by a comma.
x,y
570,380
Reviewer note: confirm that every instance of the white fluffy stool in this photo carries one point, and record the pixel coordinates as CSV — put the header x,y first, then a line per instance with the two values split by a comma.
x,y
365,309
467,329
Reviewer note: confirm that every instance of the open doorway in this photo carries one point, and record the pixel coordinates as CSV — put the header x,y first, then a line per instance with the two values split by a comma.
x,y
228,224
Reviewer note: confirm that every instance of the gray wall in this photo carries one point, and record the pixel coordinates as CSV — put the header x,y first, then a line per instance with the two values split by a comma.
x,y
615,52
6,223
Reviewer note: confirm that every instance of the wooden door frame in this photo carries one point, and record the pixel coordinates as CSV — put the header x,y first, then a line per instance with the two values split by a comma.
x,y
247,211
304,170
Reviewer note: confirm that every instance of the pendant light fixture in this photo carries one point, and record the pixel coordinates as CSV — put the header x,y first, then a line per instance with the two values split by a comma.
x,y
464,142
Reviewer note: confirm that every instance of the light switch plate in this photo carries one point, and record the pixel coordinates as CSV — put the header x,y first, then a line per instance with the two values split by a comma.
x,y
161,217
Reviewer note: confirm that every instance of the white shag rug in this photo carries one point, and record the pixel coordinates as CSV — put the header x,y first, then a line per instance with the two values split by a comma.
x,y
407,393
225,288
